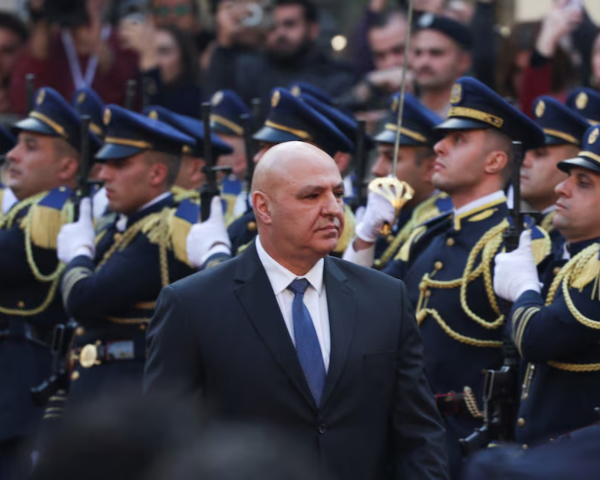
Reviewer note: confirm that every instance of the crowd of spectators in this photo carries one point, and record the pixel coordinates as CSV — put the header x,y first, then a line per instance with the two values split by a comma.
x,y
180,54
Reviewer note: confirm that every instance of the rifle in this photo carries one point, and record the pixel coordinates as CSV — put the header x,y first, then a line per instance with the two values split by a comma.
x,y
29,92
256,104
130,94
250,147
501,387
361,163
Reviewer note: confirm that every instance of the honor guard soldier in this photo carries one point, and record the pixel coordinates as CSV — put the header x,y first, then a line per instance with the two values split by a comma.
x,y
289,119
447,263
112,280
586,102
563,130
41,170
415,166
226,109
559,335
7,197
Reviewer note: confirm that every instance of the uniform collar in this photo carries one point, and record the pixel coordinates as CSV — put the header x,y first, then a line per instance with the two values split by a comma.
x,y
478,206
154,205
280,277
575,248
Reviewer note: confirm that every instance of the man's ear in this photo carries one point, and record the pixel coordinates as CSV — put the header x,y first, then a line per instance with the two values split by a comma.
x,y
158,174
313,31
68,169
495,162
262,207
342,160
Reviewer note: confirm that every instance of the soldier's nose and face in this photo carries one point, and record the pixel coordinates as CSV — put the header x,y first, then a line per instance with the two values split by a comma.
x,y
32,166
128,182
540,176
577,214
459,163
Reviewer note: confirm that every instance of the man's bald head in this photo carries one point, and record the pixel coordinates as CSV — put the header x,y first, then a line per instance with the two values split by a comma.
x,y
297,194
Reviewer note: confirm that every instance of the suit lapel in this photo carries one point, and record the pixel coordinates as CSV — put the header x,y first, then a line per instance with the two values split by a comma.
x,y
256,296
342,317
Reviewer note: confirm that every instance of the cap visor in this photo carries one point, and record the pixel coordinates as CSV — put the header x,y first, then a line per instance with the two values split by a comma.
x,y
33,125
456,123
387,136
112,151
566,165
552,140
217,127
272,135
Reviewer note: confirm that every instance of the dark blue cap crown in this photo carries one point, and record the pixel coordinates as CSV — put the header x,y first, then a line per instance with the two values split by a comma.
x,y
292,119
227,107
586,102
458,32
86,101
300,88
589,157
191,127
418,123
129,133
475,106
346,124
561,125
52,116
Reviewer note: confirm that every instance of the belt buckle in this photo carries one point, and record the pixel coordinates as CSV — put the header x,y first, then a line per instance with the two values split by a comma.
x,y
88,357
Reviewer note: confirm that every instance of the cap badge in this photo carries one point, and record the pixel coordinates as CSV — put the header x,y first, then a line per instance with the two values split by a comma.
x,y
581,101
40,97
426,20
593,136
81,98
107,116
275,98
153,115
456,96
540,108
217,98
296,92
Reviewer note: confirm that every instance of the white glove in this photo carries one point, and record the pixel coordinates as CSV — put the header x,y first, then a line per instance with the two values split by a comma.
x,y
77,238
515,272
241,204
379,210
209,237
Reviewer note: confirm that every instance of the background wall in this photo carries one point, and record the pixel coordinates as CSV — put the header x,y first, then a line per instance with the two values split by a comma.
x,y
534,9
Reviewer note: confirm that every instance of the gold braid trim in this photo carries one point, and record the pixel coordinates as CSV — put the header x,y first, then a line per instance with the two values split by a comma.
x,y
489,243
54,278
574,367
455,335
471,403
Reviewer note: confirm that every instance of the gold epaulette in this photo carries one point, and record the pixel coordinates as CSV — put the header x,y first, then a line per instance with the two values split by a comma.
x,y
348,231
546,224
180,194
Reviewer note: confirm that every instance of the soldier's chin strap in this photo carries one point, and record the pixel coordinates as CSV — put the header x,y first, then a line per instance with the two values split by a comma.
x,y
392,188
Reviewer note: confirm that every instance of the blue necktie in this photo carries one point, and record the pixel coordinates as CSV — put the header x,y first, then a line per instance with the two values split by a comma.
x,y
307,342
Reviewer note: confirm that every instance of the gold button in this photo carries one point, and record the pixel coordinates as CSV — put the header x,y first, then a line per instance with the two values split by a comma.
x,y
142,327
20,304
525,447
438,265
62,189
450,242
556,270
80,331
251,226
117,237
521,422
389,239
428,293
377,263
75,376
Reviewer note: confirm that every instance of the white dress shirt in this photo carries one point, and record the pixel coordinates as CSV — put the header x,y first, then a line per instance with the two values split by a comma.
x,y
8,200
315,297
469,207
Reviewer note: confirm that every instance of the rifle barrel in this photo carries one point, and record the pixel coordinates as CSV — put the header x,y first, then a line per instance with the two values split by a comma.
x,y
130,94
210,188
29,92
85,164
361,161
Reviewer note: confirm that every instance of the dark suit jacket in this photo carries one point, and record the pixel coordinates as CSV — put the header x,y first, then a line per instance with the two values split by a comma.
x,y
220,335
